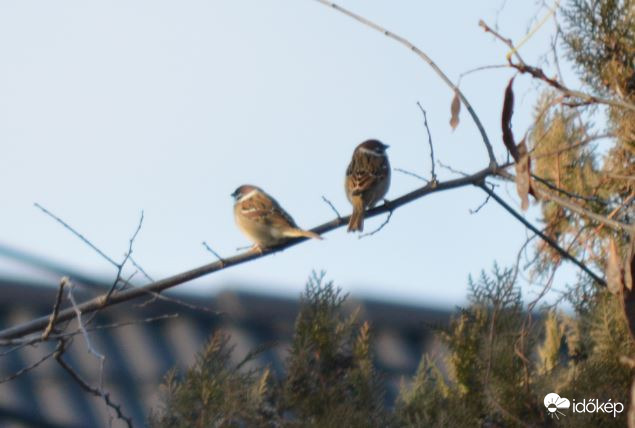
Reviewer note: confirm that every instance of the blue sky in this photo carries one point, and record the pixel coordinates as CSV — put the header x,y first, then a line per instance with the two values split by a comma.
x,y
110,108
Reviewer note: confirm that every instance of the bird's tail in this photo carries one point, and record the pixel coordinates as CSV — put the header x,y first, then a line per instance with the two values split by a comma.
x,y
296,233
357,218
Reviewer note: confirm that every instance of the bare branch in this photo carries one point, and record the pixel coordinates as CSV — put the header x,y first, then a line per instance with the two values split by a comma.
x,y
82,328
552,186
160,285
26,369
537,73
208,248
433,176
426,58
481,68
98,392
613,224
121,265
330,204
477,209
547,239
381,226
76,233
412,174
139,268
505,40
56,309
452,170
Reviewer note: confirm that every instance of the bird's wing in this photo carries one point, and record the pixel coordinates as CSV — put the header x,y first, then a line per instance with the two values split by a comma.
x,y
365,171
266,210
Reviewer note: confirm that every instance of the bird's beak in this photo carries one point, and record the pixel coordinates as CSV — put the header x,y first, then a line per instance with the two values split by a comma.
x,y
386,146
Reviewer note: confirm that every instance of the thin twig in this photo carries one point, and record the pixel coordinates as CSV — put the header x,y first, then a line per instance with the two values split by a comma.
x,y
433,176
580,143
452,170
56,309
426,58
26,369
505,40
121,265
21,343
552,186
481,68
330,204
381,226
412,174
211,250
546,238
544,194
82,328
140,269
158,296
76,233
477,209
612,214
98,392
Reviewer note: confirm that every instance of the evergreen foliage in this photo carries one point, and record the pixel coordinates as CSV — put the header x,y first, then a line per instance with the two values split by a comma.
x,y
330,378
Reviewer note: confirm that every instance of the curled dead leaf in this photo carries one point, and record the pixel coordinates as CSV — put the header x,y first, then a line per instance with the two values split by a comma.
x,y
455,109
506,121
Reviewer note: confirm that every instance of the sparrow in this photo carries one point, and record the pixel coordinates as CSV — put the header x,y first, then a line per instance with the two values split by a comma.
x,y
262,219
367,180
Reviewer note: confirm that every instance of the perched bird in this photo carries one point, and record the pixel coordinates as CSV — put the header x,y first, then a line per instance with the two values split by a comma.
x,y
262,219
367,180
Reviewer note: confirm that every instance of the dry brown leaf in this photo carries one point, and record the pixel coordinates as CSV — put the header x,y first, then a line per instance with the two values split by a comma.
x,y
523,178
506,121
613,270
455,109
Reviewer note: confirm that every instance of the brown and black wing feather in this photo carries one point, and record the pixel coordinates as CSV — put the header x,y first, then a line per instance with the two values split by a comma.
x,y
365,172
267,211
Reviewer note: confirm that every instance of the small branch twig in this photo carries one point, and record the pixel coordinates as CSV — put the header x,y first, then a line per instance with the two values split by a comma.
x,y
433,176
26,369
74,232
505,40
330,204
381,226
82,328
98,392
56,309
27,342
121,265
452,170
426,58
140,269
477,209
412,174
211,250
547,239
552,186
